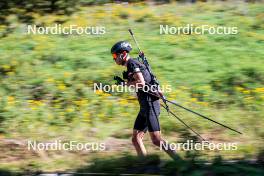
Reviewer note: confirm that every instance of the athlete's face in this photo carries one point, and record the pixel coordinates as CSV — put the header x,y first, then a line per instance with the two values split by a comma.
x,y
119,58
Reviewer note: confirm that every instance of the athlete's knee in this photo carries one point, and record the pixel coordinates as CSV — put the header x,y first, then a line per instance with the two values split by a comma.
x,y
156,141
136,139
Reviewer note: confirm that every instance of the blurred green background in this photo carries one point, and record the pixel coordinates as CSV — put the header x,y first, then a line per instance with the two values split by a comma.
x,y
46,90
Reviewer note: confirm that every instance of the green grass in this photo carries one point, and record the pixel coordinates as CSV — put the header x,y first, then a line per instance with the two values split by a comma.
x,y
46,80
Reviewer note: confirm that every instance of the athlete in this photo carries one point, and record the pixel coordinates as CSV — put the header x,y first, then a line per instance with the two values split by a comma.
x,y
148,116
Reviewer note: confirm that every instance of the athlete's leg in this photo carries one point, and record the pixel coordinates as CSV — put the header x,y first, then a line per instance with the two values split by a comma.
x,y
140,128
154,130
137,140
162,144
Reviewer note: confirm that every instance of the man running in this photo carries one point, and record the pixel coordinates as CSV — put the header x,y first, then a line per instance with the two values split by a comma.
x,y
148,116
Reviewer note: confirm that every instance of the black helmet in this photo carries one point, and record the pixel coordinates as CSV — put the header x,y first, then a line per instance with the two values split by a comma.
x,y
121,46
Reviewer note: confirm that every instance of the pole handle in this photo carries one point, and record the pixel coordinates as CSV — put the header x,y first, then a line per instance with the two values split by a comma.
x,y
130,31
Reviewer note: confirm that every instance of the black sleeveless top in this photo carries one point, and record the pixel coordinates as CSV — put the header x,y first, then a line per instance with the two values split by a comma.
x,y
134,66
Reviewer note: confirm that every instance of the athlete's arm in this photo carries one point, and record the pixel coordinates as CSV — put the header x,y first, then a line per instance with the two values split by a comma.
x,y
138,80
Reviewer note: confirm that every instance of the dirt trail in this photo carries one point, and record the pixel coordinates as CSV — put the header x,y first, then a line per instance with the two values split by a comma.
x,y
17,149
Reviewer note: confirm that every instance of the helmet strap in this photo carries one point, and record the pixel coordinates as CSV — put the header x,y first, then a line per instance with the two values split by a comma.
x,y
123,56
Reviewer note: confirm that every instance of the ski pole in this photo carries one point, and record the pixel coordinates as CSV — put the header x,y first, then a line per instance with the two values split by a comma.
x,y
134,38
178,118
189,110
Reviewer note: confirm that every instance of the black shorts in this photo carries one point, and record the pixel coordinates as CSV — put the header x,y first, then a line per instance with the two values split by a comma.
x,y
148,116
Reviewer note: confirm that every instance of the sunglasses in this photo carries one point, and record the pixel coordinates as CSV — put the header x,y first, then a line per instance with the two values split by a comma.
x,y
114,56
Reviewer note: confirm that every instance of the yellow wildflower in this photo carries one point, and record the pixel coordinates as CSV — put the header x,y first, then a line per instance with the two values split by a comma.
x,y
246,91
50,116
10,100
50,80
38,103
10,73
89,82
6,67
203,103
57,106
106,94
259,90
98,92
184,88
206,87
239,88
248,99
30,101
69,110
34,108
123,102
193,99
61,87
82,102
86,114
14,62
66,74
101,115
125,114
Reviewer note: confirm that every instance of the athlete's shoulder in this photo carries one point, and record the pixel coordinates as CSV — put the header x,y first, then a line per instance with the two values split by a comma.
x,y
132,61
134,65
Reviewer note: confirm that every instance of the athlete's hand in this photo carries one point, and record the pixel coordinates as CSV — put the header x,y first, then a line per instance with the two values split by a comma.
x,y
119,81
125,75
141,54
